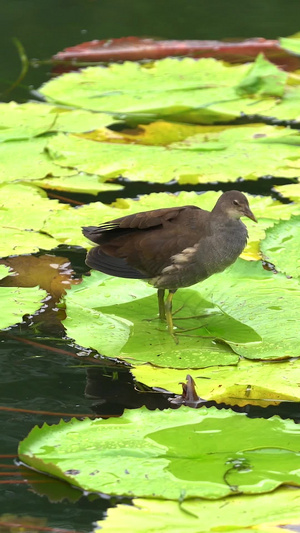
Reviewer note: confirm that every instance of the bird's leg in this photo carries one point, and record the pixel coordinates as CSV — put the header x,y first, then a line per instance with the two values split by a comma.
x,y
161,303
168,311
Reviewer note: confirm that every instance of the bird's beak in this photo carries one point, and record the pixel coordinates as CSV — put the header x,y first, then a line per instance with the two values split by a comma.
x,y
248,213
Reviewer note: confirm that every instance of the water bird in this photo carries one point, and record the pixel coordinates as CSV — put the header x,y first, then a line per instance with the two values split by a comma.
x,y
172,247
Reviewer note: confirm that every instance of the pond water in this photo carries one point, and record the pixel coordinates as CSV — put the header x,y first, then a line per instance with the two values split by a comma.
x,y
40,377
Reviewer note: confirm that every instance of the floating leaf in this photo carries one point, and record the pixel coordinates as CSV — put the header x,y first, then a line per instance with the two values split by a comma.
x,y
263,78
248,382
120,320
22,228
54,274
260,299
220,154
36,164
38,168
24,121
291,191
80,183
173,454
292,44
282,244
203,91
264,513
18,301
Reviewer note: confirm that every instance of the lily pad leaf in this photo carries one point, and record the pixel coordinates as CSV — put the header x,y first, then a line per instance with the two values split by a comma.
x,y
136,334
291,191
282,244
172,454
292,44
263,78
185,90
80,183
260,299
38,168
262,513
247,151
249,382
24,121
219,308
18,301
22,229
35,162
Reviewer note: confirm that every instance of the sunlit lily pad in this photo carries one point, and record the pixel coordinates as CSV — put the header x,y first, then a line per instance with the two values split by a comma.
x,y
260,299
24,210
271,513
221,154
27,160
38,168
282,244
24,121
120,320
224,309
202,91
291,191
249,382
292,44
17,301
173,454
80,183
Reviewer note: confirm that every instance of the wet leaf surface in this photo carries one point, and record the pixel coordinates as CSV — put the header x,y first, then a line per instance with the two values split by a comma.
x,y
170,454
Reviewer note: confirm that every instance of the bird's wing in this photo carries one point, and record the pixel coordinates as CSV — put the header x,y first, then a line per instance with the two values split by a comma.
x,y
114,266
141,245
136,221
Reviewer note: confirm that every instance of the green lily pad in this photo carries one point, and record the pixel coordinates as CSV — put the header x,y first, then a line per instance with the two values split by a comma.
x,y
81,183
24,121
249,382
36,164
292,44
22,228
260,299
172,454
263,78
120,320
17,301
291,191
246,151
266,512
221,307
281,246
38,168
205,91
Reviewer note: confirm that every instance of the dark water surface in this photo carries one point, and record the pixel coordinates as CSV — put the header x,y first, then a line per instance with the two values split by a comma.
x,y
38,376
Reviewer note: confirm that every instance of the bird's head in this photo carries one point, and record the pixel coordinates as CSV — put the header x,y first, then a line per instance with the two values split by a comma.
x,y
235,205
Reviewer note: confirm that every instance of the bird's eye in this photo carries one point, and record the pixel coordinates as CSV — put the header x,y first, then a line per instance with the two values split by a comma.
x,y
235,202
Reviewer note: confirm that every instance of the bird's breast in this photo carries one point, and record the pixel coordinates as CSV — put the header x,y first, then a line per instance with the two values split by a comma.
x,y
213,253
